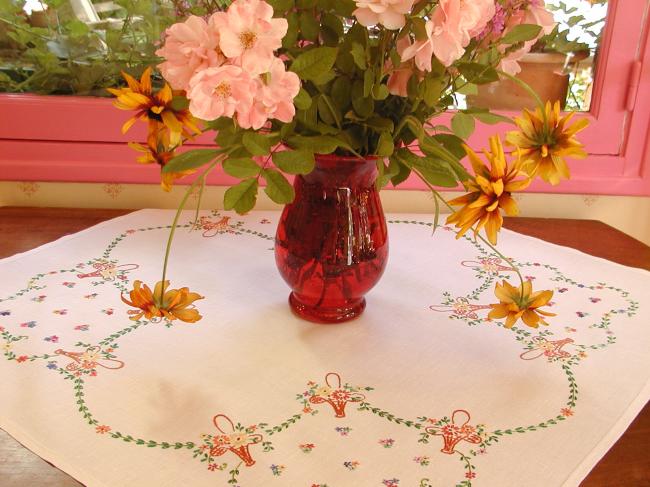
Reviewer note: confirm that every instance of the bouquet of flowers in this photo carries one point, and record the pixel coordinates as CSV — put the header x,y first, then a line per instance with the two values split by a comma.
x,y
281,82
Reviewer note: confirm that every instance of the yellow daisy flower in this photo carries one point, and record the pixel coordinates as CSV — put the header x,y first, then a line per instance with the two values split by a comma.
x,y
545,140
520,302
160,155
490,192
154,108
176,303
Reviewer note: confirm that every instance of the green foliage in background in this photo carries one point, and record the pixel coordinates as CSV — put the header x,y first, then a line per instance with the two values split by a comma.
x,y
54,52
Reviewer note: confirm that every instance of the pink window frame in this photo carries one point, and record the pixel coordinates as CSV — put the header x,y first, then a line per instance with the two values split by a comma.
x,y
77,139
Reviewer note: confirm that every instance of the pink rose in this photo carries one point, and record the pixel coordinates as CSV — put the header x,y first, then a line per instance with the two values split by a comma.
x,y
189,47
450,29
221,92
274,99
389,13
250,34
535,14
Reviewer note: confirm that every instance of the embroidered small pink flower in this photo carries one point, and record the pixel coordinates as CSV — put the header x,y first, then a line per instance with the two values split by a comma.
x,y
39,299
343,430
53,339
391,483
69,284
566,412
470,475
307,410
351,465
189,47
28,324
82,327
423,461
101,429
387,443
22,359
307,447
61,312
250,34
91,296
389,13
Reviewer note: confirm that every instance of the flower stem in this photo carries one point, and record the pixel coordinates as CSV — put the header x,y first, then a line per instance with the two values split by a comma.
x,y
170,239
437,195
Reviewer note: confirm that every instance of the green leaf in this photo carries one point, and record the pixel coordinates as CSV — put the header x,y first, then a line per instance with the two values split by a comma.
x,y
478,73
309,26
242,196
380,92
385,146
291,36
294,161
277,187
256,143
302,100
190,160
359,55
463,125
241,168
492,118
314,63
435,171
281,6
318,144
521,33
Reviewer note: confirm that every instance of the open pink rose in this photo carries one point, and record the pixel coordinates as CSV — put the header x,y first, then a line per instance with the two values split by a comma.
x,y
250,34
535,14
451,27
189,47
221,92
389,13
274,99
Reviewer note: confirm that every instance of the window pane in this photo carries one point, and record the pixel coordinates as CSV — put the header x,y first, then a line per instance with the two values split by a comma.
x,y
560,66
80,46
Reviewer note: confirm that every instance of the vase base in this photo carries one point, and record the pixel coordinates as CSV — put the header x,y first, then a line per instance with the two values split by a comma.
x,y
322,315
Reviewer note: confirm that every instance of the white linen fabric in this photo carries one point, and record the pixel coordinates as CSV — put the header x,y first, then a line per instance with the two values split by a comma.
x,y
421,390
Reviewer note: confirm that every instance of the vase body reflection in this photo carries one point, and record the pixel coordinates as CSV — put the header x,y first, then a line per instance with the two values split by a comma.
x,y
331,245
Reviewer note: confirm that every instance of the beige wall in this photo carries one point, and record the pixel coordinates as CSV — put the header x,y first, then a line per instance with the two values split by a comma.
x,y
627,213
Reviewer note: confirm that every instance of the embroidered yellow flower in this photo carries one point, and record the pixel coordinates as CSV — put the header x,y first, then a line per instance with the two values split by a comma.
x,y
176,303
490,192
545,140
520,302
154,108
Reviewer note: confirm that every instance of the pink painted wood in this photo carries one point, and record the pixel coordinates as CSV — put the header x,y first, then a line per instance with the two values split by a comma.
x,y
55,138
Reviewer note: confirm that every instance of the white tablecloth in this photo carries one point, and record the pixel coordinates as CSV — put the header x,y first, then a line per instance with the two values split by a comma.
x,y
422,390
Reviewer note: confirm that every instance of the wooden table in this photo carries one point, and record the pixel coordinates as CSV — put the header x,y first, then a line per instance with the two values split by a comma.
x,y
626,464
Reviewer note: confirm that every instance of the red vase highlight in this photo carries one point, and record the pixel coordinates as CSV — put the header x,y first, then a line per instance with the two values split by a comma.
x,y
331,245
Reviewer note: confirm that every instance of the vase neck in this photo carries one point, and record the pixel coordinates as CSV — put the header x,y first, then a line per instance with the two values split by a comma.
x,y
339,171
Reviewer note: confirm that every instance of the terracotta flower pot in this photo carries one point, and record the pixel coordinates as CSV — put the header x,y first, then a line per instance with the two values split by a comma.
x,y
544,72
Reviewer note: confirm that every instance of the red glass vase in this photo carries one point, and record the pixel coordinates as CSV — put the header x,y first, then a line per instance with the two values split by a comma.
x,y
331,245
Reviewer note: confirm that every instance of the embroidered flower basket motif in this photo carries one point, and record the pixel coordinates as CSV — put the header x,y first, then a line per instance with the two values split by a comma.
x,y
230,439
456,431
90,359
213,228
461,308
335,395
108,271
489,265
551,349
